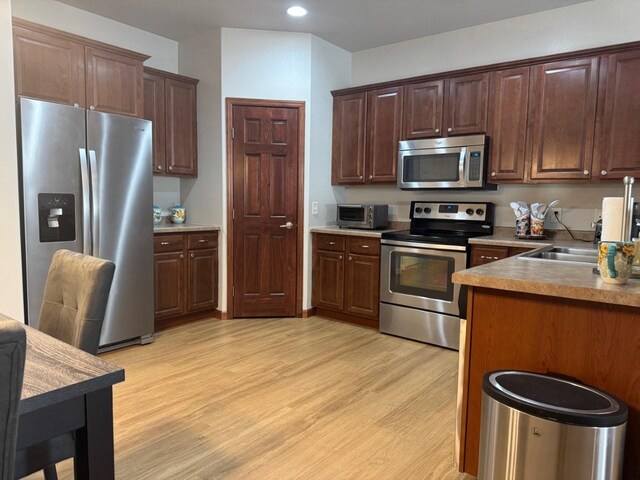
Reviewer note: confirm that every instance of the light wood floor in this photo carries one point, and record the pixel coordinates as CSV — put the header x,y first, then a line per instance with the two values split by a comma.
x,y
283,399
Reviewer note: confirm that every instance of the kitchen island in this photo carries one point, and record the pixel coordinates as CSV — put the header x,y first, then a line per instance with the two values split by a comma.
x,y
548,317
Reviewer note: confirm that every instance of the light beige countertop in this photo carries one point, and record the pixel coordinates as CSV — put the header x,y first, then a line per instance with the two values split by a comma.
x,y
183,228
334,229
551,278
504,237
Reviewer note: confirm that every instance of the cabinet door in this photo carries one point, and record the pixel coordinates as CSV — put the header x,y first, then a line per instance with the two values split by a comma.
x,y
347,166
169,273
182,136
202,290
563,112
484,255
423,103
384,126
362,285
617,150
466,104
154,110
508,124
328,280
48,67
114,82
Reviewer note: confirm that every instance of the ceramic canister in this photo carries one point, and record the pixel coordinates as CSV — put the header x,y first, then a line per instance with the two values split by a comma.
x,y
178,214
157,215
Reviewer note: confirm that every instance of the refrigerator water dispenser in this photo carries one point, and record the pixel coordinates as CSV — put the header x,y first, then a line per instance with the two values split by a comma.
x,y
57,217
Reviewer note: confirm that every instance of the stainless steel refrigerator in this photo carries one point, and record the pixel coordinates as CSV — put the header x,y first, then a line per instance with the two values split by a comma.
x,y
87,187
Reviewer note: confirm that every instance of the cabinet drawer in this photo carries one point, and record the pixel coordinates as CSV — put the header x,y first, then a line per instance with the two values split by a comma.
x,y
362,245
334,243
483,255
202,240
168,243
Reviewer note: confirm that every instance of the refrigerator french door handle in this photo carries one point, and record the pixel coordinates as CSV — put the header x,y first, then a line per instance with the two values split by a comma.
x,y
86,202
95,221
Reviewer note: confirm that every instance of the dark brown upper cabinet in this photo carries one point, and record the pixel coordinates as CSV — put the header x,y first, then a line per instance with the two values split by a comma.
x,y
349,138
508,102
466,101
171,104
366,130
563,111
423,106
59,67
617,148
384,123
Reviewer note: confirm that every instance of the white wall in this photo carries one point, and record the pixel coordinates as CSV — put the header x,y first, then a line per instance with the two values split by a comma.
x,y
11,302
585,25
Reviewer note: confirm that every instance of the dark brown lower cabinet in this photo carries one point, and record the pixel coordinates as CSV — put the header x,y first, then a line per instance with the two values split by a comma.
x,y
346,278
185,276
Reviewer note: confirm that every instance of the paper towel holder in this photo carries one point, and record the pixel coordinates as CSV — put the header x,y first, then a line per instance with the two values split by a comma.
x,y
627,212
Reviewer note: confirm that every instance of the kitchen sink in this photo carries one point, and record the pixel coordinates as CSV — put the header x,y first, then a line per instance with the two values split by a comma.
x,y
564,254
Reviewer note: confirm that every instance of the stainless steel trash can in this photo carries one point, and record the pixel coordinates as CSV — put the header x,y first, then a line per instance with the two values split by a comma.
x,y
539,427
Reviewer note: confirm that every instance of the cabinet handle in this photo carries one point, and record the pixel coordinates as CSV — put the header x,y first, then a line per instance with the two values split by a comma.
x,y
586,172
437,130
332,243
164,244
449,129
350,258
364,246
339,257
181,256
202,240
482,257
493,174
170,168
603,173
193,255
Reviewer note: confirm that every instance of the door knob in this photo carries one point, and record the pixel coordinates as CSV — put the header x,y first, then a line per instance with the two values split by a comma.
x,y
287,225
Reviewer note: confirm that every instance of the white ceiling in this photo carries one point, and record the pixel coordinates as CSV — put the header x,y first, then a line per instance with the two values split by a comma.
x,y
351,24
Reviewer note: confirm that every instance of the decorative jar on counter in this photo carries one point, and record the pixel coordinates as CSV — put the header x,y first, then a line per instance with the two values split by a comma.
x,y
178,214
157,215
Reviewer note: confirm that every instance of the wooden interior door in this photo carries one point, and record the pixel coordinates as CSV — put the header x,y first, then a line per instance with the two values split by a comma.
x,y
265,199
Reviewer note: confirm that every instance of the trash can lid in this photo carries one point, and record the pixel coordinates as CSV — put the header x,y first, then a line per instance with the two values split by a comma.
x,y
554,398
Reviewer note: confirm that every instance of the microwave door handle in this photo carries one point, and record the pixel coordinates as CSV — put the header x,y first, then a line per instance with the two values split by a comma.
x,y
461,166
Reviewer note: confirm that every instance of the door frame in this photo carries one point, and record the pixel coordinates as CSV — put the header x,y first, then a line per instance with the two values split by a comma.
x,y
254,102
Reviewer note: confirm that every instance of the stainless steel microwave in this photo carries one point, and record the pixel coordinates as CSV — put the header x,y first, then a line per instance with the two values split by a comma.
x,y
454,162
362,216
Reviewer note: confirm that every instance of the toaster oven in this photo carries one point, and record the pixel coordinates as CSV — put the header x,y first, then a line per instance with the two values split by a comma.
x,y
362,216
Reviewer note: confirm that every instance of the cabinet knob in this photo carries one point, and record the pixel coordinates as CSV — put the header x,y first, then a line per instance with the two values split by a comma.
x,y
76,105
170,168
370,177
603,172
181,255
586,172
92,107
159,167
360,177
449,129
493,174
193,255
339,257
350,258
437,130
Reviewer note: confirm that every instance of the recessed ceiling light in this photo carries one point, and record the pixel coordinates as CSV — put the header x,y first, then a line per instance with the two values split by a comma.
x,y
297,11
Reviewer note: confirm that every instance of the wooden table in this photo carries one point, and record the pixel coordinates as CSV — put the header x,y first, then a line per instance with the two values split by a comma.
x,y
66,389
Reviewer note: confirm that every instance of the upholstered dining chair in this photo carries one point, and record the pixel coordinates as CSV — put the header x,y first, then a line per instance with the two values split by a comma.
x,y
13,347
75,301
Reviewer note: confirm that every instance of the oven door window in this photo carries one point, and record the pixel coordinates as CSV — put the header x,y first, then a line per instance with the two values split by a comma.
x,y
351,214
436,167
427,276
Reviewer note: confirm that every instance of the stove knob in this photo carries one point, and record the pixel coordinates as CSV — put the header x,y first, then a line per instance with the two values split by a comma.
x,y
469,211
427,210
480,211
418,210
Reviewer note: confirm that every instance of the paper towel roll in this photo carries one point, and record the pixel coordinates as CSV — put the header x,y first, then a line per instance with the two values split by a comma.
x,y
612,212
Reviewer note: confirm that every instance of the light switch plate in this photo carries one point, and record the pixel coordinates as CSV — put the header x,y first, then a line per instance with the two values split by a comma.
x,y
315,208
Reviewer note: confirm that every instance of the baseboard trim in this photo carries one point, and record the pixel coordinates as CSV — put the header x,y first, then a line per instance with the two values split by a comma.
x,y
347,318
309,313
220,315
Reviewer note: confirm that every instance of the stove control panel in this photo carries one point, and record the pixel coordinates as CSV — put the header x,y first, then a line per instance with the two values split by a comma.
x,y
449,211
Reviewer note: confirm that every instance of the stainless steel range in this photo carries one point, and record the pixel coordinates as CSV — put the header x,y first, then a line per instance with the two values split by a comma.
x,y
418,300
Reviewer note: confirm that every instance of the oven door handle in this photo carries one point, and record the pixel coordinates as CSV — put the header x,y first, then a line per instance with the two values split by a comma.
x,y
462,162
423,246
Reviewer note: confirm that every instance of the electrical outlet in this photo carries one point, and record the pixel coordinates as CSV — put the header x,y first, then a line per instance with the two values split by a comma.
x,y
552,218
597,214
315,208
